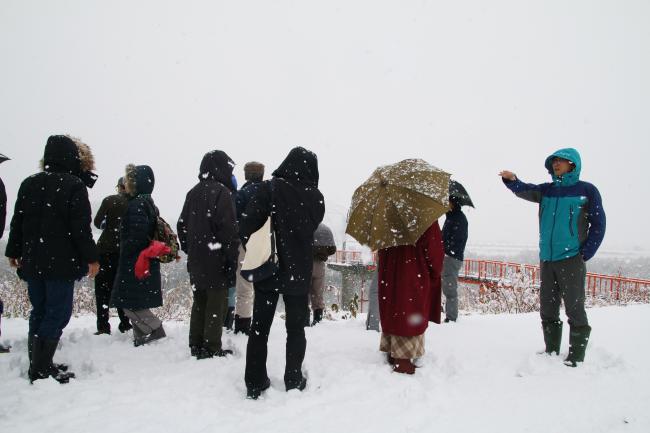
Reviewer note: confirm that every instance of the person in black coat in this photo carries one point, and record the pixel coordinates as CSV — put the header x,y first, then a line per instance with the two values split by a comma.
x,y
137,229
454,237
3,215
51,245
296,207
254,174
207,230
108,219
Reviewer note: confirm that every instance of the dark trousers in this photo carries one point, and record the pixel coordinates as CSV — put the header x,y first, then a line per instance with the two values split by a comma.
x,y
51,307
563,280
206,321
103,287
297,311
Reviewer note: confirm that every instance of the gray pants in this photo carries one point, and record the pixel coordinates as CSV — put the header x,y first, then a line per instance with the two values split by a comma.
x,y
244,291
563,280
372,322
450,269
144,321
317,285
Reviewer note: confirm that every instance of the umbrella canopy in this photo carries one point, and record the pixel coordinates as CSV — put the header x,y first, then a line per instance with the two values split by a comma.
x,y
398,203
458,191
3,158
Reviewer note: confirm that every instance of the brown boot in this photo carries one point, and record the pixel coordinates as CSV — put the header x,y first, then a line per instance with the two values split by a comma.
x,y
403,366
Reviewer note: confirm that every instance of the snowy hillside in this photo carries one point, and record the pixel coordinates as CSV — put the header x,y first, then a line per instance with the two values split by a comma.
x,y
479,375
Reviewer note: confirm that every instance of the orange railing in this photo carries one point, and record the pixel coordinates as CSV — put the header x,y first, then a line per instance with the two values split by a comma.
x,y
491,273
615,287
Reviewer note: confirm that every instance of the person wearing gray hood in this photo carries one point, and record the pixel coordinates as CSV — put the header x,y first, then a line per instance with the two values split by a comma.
x,y
324,246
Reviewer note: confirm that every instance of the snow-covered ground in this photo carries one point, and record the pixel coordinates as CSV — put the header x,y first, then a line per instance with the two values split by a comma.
x,y
479,375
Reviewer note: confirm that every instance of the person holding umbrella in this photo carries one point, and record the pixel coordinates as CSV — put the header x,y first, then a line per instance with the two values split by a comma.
x,y
395,212
454,237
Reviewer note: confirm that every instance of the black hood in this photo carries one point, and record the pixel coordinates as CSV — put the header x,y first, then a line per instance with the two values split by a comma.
x,y
61,155
217,165
139,179
301,165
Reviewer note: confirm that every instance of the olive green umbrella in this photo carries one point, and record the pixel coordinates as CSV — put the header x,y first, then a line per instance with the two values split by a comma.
x,y
398,203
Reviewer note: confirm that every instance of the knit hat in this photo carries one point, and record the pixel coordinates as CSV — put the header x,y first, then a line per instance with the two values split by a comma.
x,y
253,171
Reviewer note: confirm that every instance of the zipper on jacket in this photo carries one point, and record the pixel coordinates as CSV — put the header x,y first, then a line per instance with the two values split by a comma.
x,y
571,220
557,200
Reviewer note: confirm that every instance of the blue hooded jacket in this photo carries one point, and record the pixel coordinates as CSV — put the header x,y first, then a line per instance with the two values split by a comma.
x,y
571,215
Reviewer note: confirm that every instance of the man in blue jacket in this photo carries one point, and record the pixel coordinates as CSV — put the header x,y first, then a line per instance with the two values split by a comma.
x,y
571,228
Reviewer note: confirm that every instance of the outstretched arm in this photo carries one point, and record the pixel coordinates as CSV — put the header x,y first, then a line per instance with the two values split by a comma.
x,y
527,191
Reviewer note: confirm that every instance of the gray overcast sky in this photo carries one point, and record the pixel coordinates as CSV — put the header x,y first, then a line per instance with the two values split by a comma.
x,y
471,86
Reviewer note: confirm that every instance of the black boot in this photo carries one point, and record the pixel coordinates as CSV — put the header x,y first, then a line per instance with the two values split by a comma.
x,y
318,316
207,353
578,339
41,365
124,326
299,385
552,336
103,326
242,324
195,350
253,393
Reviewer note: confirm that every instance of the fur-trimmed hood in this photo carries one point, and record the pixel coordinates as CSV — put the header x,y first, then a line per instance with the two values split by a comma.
x,y
69,154
65,154
139,179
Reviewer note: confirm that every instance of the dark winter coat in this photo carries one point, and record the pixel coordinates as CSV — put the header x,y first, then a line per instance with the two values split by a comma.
x,y
50,230
296,207
454,233
245,194
3,208
108,219
410,286
136,232
207,227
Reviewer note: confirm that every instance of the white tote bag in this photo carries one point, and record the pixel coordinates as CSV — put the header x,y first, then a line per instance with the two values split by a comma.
x,y
261,259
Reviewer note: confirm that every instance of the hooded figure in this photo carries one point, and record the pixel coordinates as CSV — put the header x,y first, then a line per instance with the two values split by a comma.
x,y
571,228
454,238
137,229
324,247
51,244
108,219
296,207
207,230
